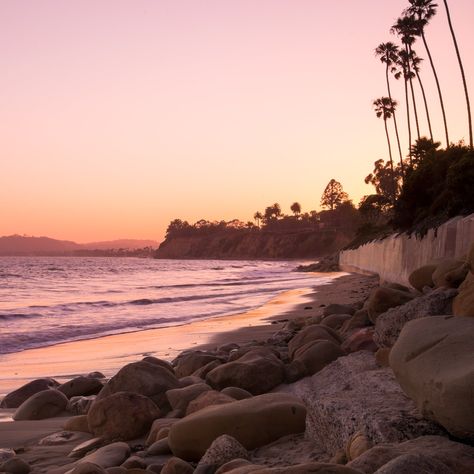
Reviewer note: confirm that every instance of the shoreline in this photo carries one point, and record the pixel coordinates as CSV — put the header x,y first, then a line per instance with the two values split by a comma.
x,y
108,353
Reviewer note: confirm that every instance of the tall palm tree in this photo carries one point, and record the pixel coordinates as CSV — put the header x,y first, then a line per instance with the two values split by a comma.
x,y
384,107
258,216
423,11
469,117
296,208
388,54
405,27
415,64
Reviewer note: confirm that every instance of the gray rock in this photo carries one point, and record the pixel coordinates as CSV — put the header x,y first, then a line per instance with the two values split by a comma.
x,y
223,449
390,323
353,394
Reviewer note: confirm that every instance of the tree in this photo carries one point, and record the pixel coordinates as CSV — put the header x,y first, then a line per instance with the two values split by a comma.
x,y
374,208
423,11
385,180
333,195
296,208
423,148
384,107
388,53
258,216
466,93
272,212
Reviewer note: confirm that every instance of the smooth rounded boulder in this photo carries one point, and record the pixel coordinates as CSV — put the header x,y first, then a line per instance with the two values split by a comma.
x,y
123,415
81,386
310,334
253,422
315,355
17,397
383,298
463,303
41,405
447,267
422,277
433,362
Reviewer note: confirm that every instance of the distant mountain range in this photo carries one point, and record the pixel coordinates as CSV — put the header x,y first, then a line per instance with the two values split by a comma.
x,y
24,245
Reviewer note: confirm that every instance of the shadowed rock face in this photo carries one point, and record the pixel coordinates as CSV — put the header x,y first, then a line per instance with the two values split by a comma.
x,y
434,363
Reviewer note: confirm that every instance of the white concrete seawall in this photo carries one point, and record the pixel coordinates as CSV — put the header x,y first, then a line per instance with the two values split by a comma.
x,y
395,257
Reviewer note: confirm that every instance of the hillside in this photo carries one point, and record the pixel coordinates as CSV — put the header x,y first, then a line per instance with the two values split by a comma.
x,y
253,245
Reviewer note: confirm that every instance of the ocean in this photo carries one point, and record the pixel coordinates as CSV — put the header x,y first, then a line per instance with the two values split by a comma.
x,y
49,300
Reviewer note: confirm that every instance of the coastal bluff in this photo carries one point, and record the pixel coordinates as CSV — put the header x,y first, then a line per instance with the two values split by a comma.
x,y
395,257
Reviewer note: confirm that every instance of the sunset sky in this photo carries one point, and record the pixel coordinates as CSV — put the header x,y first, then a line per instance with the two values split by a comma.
x,y
117,116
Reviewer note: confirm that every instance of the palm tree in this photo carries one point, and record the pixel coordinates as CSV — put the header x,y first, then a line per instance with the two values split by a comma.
x,y
406,27
423,11
415,63
469,118
258,216
384,107
296,208
388,54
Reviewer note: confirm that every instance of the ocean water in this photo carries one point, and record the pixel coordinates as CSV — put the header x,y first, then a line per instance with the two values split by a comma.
x,y
48,300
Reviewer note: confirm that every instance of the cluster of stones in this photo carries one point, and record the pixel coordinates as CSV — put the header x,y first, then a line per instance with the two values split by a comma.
x,y
381,386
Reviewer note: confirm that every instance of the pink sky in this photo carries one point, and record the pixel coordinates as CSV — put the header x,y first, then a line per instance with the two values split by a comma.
x,y
118,116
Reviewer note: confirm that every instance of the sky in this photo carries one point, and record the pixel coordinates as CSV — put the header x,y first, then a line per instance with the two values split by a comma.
x,y
117,116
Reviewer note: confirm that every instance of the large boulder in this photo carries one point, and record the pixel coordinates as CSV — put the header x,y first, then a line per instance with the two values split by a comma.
x,y
81,386
207,399
422,277
188,362
253,422
179,398
455,456
123,415
17,397
433,362
315,355
253,372
223,449
353,394
463,304
389,324
336,308
310,334
445,268
383,298
144,378
41,405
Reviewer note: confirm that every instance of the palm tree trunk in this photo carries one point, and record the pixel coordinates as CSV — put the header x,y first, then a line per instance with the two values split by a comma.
x,y
408,120
462,74
435,74
394,121
408,50
391,160
425,102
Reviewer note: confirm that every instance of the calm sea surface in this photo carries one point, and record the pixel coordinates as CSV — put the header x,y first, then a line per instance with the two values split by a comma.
x,y
46,300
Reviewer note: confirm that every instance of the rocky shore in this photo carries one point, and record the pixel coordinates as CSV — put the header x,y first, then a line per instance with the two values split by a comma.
x,y
378,383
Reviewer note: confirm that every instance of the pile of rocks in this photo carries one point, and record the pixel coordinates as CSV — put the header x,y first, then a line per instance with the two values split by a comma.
x,y
381,386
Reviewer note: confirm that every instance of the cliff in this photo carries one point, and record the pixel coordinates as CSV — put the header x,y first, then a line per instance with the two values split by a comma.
x,y
253,245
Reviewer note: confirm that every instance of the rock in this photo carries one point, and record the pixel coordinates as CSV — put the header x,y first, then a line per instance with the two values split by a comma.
x,y
315,355
357,445
80,405
310,334
123,415
177,466
144,378
262,351
463,303
359,320
381,299
134,462
108,456
157,426
203,371
179,398
445,267
17,397
295,370
117,470
360,340
41,405
5,454
281,414
253,372
159,448
455,456
414,463
96,375
189,380
434,364
455,277
60,438
234,465
88,468
15,466
422,277
207,399
223,449
336,321
188,362
236,393
353,394
81,386
338,309
390,323
82,449
77,423
306,468
382,357
162,363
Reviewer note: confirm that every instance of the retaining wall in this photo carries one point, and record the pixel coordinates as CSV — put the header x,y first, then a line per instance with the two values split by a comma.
x,y
395,257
